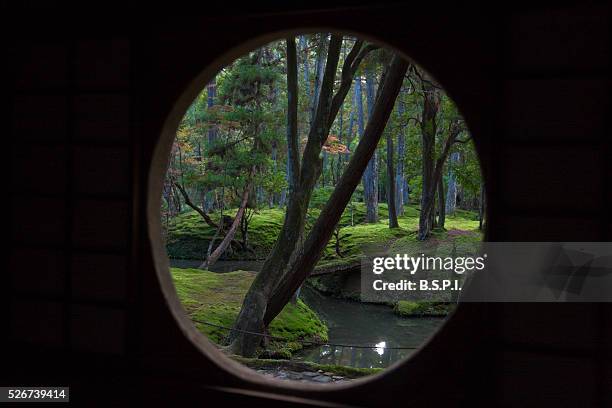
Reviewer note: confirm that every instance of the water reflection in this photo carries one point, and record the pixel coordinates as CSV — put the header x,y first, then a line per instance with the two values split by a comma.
x,y
355,357
361,324
380,347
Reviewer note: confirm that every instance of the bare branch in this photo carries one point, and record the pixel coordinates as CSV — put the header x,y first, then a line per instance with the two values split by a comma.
x,y
190,203
351,63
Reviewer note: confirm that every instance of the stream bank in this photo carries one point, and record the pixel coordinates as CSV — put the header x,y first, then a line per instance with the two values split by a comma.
x,y
360,335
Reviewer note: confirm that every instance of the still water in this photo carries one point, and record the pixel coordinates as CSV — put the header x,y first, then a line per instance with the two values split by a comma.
x,y
354,323
350,323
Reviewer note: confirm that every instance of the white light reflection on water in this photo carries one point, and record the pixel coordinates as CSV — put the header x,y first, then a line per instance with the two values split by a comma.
x,y
380,347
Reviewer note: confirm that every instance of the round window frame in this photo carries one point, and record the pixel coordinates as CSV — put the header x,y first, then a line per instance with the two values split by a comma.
x,y
157,170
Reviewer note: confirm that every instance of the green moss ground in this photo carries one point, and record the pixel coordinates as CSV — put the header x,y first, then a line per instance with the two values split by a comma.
x,y
408,308
216,298
188,234
205,294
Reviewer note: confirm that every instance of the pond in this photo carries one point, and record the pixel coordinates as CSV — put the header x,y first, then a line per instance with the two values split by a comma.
x,y
350,324
365,324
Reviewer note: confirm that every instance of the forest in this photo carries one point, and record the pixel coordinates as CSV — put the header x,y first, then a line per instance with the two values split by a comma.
x,y
292,162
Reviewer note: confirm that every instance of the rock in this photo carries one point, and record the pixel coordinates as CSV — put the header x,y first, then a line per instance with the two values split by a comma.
x,y
309,374
322,379
292,375
337,377
319,371
328,374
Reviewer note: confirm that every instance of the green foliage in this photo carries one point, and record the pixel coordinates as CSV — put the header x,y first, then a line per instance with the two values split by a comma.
x,y
320,196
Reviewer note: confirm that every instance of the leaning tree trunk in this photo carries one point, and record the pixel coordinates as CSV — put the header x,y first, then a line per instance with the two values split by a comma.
x,y
391,183
323,228
194,207
229,236
302,181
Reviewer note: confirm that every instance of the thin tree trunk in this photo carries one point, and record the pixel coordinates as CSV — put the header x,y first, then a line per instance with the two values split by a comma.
x,y
349,131
319,67
370,180
451,194
211,90
391,183
399,176
197,209
427,209
428,138
481,207
306,64
315,99
441,204
229,237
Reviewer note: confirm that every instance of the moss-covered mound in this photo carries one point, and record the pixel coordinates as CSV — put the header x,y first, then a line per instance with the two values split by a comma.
x,y
461,227
188,235
413,309
216,298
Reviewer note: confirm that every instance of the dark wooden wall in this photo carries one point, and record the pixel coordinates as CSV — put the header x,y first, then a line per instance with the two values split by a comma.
x,y
87,103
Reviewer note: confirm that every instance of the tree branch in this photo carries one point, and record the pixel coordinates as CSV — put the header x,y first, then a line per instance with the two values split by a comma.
x,y
351,63
190,203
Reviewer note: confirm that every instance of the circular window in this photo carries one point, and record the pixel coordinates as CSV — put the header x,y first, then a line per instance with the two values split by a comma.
x,y
301,178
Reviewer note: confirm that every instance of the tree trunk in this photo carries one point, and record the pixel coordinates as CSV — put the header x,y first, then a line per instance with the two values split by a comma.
x,y
197,209
451,194
391,183
330,215
306,65
370,179
399,175
349,131
211,90
427,209
303,178
340,132
319,67
481,210
428,138
441,204
229,236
